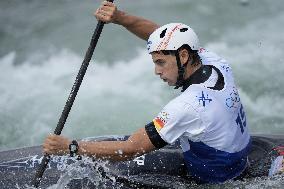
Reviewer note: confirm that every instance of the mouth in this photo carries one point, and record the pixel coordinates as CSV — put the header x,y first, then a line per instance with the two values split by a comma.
x,y
165,80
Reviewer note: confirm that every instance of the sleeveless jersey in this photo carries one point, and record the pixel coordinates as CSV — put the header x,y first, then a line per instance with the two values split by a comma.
x,y
211,126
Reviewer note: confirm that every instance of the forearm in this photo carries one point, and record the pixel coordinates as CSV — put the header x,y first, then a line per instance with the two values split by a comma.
x,y
137,144
137,25
111,150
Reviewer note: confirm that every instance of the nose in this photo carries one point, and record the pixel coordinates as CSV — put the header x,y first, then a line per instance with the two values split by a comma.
x,y
158,70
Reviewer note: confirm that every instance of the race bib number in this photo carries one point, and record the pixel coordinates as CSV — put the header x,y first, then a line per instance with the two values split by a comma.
x,y
241,119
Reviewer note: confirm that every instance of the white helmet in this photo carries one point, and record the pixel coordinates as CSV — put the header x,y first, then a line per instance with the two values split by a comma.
x,y
171,37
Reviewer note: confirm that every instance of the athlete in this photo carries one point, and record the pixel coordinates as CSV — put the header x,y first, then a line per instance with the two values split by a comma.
x,y
207,118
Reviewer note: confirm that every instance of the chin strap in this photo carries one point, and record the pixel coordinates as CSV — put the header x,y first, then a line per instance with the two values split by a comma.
x,y
181,70
180,79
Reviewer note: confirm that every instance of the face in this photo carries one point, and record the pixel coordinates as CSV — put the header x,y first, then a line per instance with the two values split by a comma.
x,y
166,67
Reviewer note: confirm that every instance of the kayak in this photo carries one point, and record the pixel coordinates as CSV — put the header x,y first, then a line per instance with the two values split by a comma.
x,y
163,168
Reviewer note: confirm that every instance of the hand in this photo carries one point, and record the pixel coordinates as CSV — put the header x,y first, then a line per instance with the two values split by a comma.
x,y
56,145
107,12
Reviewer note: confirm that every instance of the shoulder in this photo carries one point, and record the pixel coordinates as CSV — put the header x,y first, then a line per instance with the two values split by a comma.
x,y
175,119
210,58
180,108
182,102
204,53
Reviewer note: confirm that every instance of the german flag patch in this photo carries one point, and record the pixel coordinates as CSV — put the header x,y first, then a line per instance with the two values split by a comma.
x,y
159,124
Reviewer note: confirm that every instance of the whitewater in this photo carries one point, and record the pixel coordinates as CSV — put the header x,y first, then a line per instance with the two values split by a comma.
x,y
43,45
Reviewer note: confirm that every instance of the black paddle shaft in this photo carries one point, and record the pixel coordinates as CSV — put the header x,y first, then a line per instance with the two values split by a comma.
x,y
60,125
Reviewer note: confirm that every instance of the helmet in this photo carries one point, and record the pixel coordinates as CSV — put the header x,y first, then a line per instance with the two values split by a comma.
x,y
171,37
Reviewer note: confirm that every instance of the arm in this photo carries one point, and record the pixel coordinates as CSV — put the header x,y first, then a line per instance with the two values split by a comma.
x,y
137,144
141,27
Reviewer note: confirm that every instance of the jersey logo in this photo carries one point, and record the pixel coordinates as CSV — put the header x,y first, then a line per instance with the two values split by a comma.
x,y
241,119
225,68
159,124
204,99
233,100
201,50
161,120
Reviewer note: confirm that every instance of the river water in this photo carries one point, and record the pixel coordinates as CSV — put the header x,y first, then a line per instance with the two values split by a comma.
x,y
43,44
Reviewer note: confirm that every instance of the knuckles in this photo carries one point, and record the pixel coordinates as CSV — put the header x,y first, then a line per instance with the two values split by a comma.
x,y
105,12
55,144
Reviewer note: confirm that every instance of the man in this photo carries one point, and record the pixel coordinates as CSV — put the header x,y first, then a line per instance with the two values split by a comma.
x,y
207,117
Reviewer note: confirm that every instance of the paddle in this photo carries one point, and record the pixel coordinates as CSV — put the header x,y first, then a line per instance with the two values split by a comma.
x,y
36,181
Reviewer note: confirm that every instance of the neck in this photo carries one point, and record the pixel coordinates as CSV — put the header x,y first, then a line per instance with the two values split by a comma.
x,y
190,69
200,75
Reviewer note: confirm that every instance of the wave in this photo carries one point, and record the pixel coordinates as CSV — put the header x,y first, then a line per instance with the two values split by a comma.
x,y
119,97
113,99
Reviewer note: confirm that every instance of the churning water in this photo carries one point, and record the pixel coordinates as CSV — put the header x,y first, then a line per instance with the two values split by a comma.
x,y
43,44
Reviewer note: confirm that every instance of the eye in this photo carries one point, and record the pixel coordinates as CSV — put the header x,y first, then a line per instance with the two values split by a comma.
x,y
160,62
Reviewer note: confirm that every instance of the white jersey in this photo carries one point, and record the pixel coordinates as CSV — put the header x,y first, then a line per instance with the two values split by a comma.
x,y
211,125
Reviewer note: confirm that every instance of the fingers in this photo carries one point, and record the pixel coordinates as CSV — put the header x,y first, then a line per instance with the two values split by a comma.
x,y
56,145
49,145
103,14
106,12
107,3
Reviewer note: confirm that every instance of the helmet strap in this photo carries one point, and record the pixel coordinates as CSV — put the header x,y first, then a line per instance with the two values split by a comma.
x,y
181,70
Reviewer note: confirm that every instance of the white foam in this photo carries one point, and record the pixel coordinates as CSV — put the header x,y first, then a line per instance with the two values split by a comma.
x,y
33,96
255,53
119,98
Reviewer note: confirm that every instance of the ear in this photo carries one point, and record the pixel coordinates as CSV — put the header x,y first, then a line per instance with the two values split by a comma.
x,y
184,56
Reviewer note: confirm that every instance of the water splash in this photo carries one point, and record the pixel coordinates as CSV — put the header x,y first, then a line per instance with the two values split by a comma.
x,y
84,173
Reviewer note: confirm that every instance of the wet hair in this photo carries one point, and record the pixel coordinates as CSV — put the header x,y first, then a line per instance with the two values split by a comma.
x,y
195,56
169,52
